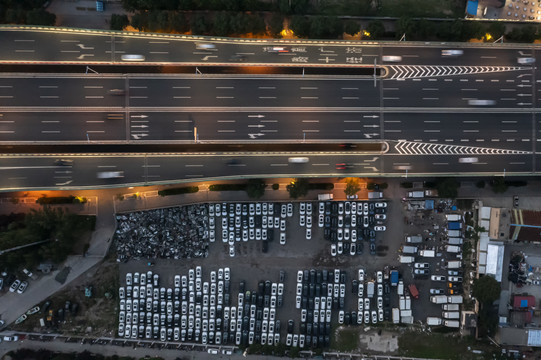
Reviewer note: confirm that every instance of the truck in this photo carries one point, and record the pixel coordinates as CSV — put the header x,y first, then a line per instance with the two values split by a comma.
x,y
451,323
413,291
454,233
455,241
450,307
322,197
409,249
375,194
408,302
394,277
431,193
396,315
455,299
453,248
453,217
402,303
454,225
400,288
416,194
427,253
433,321
438,299
405,313
370,289
414,239
406,259
450,314
454,264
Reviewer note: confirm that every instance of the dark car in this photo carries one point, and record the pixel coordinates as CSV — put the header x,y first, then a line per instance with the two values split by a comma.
x,y
290,326
372,248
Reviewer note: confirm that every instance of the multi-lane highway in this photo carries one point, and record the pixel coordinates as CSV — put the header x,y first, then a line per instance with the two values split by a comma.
x,y
420,107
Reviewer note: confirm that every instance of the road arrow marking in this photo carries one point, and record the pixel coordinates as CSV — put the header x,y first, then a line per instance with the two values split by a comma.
x,y
254,136
373,159
85,47
208,56
83,56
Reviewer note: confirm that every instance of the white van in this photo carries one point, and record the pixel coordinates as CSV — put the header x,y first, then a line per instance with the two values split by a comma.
x,y
481,102
110,174
391,58
132,57
205,46
406,259
298,160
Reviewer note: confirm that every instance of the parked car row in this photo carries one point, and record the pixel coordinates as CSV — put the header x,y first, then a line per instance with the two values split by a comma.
x,y
249,221
347,223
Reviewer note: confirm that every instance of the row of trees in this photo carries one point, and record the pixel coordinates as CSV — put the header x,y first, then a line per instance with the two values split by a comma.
x,y
29,12
59,228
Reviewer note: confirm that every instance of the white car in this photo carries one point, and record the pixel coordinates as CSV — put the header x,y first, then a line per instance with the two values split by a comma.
x,y
381,204
380,216
289,210
374,317
302,208
341,317
361,275
282,225
333,249
282,238
391,58
321,207
436,291
321,220
308,234
302,220
360,305
308,208
438,278
379,277
299,276
360,290
421,265
452,52
308,221
380,228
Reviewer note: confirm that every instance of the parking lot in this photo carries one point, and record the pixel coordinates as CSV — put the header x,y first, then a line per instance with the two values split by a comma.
x,y
295,272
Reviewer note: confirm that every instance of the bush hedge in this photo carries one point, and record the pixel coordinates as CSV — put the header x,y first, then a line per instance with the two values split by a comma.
x,y
179,191
44,200
228,187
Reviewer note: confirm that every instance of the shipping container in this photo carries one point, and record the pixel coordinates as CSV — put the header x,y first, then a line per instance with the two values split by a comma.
x,y
450,314
453,249
396,315
416,194
406,259
451,323
454,225
408,302
450,307
433,321
402,303
414,239
454,264
453,217
454,233
400,288
375,195
394,277
427,253
455,299
438,299
455,241
321,197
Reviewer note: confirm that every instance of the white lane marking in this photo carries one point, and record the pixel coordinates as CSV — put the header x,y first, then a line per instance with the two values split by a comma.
x,y
194,165
358,121
430,89
93,87
138,87
94,121
525,140
267,97
183,121
6,97
94,97
182,87
182,97
392,121
320,164
393,131
495,140
350,98
95,131
7,132
225,97
48,86
183,131
309,87
431,131
509,131
480,140
348,88
226,131
266,87
12,121
391,98
310,121
309,97
227,121
269,121
470,131
6,86
278,164
431,121
225,87
50,132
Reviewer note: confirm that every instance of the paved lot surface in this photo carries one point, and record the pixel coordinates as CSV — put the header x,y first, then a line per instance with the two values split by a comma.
x,y
82,13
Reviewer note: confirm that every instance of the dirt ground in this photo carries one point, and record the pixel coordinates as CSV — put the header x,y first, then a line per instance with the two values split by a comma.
x,y
95,315
82,13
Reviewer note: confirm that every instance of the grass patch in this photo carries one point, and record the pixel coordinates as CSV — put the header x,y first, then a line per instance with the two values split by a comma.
x,y
346,339
432,346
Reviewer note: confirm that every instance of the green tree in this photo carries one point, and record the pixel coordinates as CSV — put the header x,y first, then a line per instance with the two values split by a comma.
x,y
496,29
221,23
486,289
499,185
118,22
351,27
447,187
198,24
352,186
276,24
376,29
255,188
297,188
40,17
300,25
